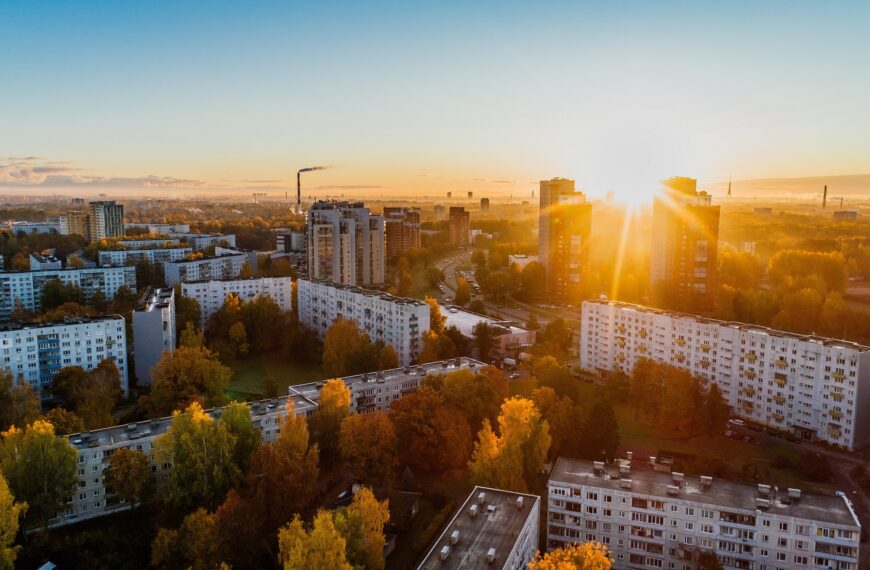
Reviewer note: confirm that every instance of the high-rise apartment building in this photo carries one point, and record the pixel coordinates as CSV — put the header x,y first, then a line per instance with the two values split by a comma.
x,y
484,204
402,229
651,518
459,227
153,330
565,226
440,212
685,241
105,220
816,388
34,353
345,243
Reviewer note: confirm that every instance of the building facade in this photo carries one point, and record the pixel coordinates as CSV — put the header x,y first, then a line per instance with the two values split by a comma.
x,y
484,204
26,287
652,518
460,225
508,339
204,268
402,228
159,228
345,243
685,243
26,227
148,243
564,229
398,321
288,242
211,294
203,241
74,223
105,220
492,529
153,330
40,261
35,353
817,388
158,255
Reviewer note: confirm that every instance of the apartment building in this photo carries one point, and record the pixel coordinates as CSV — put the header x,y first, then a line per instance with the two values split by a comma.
x,y
484,205
148,242
74,223
203,241
47,227
402,228
565,226
817,388
509,339
369,392
288,242
40,261
460,225
34,353
26,287
158,255
650,517
204,268
153,330
492,529
252,257
685,242
158,228
345,243
398,321
211,294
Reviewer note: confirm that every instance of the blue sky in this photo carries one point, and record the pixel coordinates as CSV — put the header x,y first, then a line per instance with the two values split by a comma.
x,y
420,97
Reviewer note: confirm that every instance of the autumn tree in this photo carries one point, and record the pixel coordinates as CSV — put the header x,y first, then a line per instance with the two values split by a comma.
x,y
128,475
362,526
185,375
39,467
564,418
533,282
682,400
261,317
10,515
578,556
551,373
321,547
484,340
478,395
325,423
554,340
463,291
367,446
64,421
388,359
187,311
347,349
436,318
600,432
19,402
195,545
645,388
715,414
237,419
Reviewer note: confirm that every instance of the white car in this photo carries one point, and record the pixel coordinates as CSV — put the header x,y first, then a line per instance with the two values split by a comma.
x,y
735,422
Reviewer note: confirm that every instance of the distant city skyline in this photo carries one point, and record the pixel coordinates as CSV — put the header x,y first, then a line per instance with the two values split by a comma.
x,y
221,98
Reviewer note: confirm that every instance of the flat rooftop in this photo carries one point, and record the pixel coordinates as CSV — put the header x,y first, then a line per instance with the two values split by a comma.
x,y
826,341
465,321
499,521
367,292
208,258
722,494
7,327
155,299
234,279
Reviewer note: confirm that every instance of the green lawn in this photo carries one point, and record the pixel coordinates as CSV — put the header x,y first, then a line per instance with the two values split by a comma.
x,y
248,375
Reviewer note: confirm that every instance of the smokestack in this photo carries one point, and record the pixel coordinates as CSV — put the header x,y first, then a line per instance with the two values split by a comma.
x,y
299,182
825,196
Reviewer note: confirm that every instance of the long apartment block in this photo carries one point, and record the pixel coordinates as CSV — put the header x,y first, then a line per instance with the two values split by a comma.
x,y
650,517
398,321
204,268
369,392
817,388
159,255
211,294
26,287
203,241
35,353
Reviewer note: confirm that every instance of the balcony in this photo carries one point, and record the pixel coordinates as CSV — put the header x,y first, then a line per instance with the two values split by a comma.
x,y
749,374
620,343
679,357
705,347
777,416
681,341
748,406
838,376
705,363
749,391
837,396
642,333
751,357
641,348
836,414
779,400
780,381
781,363
620,357
620,329
834,430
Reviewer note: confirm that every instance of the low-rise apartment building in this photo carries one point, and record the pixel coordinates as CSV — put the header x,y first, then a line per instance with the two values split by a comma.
x,y
47,227
34,353
158,255
204,268
39,261
492,529
398,321
509,339
202,241
211,294
652,518
24,288
817,388
153,330
146,242
158,228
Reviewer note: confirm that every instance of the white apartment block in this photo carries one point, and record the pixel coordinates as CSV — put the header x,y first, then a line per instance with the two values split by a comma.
x,y
158,228
211,294
39,261
147,242
202,241
204,268
35,353
650,518
153,330
398,321
345,243
817,388
32,227
25,287
492,529
134,256
369,392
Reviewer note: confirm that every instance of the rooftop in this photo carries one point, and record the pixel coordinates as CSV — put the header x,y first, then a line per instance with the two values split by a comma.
x,y
8,327
497,524
234,279
466,320
155,298
44,258
207,258
826,341
834,509
367,292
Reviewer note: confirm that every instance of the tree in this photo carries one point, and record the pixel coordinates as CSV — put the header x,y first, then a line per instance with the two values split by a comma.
x,y
186,375
39,467
64,422
799,312
187,311
362,526
831,315
436,318
563,417
10,513
709,561
101,391
367,445
554,340
195,545
237,419
19,402
325,423
551,373
463,291
239,336
388,358
478,395
600,432
583,556
345,348
128,475
715,410
201,452
191,337
645,388
484,340
321,547
262,317
533,282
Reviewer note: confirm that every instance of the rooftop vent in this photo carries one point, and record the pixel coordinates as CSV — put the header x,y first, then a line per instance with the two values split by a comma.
x,y
490,556
673,490
652,459
706,481
763,490
677,477
629,455
762,503
625,483
481,498
624,469
794,494
598,467
445,552
490,508
454,537
519,503
473,511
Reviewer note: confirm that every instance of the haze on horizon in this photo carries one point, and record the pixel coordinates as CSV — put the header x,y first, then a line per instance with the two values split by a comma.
x,y
217,97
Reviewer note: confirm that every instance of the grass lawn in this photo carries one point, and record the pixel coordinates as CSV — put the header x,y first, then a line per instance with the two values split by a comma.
x,y
248,375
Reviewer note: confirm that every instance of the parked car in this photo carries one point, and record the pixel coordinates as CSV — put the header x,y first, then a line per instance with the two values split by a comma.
x,y
736,423
514,376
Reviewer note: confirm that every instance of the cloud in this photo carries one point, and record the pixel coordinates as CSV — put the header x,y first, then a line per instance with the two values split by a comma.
x,y
262,181
33,172
349,187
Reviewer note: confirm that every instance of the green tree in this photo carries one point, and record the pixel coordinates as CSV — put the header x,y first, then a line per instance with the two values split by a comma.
x,y
484,340
321,547
550,373
10,513
128,475
185,375
39,467
600,432
64,422
362,526
187,311
237,419
19,402
563,417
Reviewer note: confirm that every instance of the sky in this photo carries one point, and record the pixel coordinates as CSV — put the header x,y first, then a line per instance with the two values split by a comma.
x,y
428,97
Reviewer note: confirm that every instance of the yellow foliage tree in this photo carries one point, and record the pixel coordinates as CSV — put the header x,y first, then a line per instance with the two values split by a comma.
x,y
321,547
585,556
10,513
362,525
